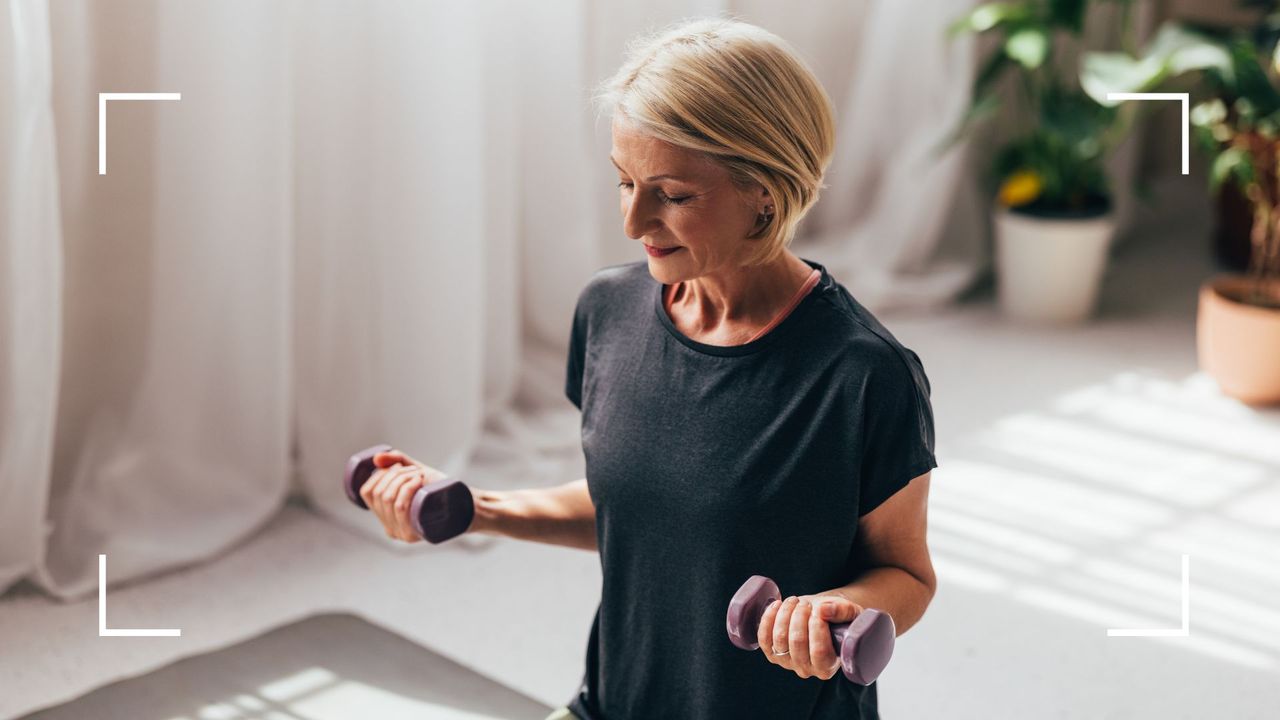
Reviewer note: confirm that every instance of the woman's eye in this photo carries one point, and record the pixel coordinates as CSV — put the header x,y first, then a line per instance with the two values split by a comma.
x,y
662,196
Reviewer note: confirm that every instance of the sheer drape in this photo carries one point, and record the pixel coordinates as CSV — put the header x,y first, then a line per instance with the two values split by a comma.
x,y
30,286
363,221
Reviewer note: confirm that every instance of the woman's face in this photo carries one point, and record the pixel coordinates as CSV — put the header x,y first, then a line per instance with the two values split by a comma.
x,y
676,198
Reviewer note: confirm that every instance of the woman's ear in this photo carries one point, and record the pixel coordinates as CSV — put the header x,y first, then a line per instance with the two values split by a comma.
x,y
764,203
757,201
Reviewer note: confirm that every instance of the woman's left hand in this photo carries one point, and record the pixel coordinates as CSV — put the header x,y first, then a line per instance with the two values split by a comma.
x,y
798,627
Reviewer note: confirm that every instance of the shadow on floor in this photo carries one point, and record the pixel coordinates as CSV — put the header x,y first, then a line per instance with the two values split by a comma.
x,y
326,667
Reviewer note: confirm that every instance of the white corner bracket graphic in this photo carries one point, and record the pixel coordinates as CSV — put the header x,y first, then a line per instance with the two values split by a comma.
x,y
103,630
1184,98
1183,631
102,118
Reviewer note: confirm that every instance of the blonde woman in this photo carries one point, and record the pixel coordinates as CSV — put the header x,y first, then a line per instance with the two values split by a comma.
x,y
742,414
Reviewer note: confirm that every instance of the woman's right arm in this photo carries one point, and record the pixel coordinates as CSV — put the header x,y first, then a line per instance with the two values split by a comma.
x,y
560,515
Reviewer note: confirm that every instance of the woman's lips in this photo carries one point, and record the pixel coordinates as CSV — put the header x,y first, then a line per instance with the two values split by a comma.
x,y
660,252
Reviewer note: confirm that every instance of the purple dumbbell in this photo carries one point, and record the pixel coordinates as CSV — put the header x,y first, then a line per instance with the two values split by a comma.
x,y
440,510
865,645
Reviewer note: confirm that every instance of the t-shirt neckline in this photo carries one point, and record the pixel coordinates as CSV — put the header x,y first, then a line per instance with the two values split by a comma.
x,y
756,345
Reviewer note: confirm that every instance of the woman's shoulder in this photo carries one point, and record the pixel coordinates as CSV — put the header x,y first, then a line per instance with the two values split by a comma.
x,y
614,284
865,343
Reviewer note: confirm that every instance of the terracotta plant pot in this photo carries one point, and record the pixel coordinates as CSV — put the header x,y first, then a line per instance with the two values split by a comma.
x,y
1048,270
1239,343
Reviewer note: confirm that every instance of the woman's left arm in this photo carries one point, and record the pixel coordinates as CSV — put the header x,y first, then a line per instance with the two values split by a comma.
x,y
899,580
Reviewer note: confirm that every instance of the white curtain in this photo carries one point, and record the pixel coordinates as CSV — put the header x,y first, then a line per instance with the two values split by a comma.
x,y
363,221
30,287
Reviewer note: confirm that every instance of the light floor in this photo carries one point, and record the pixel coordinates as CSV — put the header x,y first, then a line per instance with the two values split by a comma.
x,y
1077,467
324,667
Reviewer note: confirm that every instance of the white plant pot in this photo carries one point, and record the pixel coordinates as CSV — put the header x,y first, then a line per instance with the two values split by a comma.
x,y
1049,269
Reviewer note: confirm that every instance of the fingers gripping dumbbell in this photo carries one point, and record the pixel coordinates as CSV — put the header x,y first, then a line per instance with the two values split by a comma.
x,y
439,511
864,645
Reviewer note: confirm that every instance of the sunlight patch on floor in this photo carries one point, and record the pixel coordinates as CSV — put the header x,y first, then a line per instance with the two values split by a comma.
x,y
319,694
1129,474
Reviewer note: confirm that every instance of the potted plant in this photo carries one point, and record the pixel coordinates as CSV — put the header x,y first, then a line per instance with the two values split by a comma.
x,y
1236,119
1053,217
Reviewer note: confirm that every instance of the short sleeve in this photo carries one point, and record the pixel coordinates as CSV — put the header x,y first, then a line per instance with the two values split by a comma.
x,y
898,440
577,356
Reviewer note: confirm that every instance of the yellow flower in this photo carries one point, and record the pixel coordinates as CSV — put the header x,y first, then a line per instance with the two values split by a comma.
x,y
1020,188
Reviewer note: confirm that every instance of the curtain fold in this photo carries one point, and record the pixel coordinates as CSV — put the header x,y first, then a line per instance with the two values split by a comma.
x,y
188,451
30,285
363,222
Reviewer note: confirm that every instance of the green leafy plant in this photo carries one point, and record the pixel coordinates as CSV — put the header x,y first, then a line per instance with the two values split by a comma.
x,y
1232,78
1054,164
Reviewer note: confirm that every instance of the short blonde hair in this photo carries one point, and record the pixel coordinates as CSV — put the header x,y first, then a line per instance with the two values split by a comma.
x,y
743,97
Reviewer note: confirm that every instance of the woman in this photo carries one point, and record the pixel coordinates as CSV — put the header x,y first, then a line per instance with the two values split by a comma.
x,y
742,414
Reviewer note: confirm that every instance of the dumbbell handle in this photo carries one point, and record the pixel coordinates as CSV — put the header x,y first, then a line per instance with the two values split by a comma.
x,y
864,645
439,511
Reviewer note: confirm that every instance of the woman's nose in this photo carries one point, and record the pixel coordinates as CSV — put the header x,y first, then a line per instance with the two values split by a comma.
x,y
638,217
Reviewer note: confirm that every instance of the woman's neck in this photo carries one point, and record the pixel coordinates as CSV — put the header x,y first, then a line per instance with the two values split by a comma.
x,y
738,302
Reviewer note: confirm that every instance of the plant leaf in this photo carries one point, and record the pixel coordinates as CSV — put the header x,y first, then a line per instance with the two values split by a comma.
x,y
1029,46
1230,163
1076,120
1208,113
990,16
1251,81
1174,50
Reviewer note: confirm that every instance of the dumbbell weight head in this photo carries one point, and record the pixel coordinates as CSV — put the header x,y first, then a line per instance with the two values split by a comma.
x,y
359,467
746,609
864,645
439,511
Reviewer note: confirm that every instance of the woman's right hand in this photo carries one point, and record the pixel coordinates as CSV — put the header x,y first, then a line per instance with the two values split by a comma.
x,y
390,489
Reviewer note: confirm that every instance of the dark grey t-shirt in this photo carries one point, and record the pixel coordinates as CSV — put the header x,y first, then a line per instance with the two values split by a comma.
x,y
709,464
